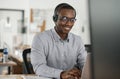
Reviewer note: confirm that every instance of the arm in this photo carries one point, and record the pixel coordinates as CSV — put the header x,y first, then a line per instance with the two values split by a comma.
x,y
81,58
38,60
75,73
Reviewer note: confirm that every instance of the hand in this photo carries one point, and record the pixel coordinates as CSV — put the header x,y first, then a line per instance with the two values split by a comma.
x,y
75,72
71,74
66,75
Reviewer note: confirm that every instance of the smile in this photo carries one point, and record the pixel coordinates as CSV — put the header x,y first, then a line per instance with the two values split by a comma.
x,y
67,28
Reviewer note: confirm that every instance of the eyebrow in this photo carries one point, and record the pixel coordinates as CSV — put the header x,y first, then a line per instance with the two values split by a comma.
x,y
68,17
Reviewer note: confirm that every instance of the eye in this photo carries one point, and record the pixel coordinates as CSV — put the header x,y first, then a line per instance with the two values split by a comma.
x,y
64,18
73,20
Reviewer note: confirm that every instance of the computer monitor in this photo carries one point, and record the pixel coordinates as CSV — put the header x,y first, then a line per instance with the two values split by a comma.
x,y
105,38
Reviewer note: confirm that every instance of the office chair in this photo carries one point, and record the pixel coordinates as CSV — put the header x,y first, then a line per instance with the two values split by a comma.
x,y
27,63
88,48
1,50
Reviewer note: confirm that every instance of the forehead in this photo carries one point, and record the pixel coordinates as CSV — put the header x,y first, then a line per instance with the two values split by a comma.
x,y
67,12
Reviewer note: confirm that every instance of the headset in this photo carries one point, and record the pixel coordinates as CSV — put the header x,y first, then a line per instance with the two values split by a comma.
x,y
59,7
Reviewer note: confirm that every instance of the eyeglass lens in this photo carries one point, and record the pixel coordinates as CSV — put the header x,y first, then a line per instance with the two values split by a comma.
x,y
66,19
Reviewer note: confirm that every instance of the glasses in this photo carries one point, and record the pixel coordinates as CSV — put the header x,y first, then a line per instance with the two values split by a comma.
x,y
66,19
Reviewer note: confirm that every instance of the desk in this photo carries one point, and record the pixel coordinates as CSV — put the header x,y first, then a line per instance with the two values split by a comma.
x,y
10,77
19,69
10,64
21,77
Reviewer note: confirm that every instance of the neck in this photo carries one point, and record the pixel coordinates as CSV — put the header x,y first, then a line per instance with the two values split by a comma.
x,y
62,35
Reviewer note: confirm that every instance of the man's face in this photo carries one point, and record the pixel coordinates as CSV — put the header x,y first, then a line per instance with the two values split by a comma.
x,y
65,22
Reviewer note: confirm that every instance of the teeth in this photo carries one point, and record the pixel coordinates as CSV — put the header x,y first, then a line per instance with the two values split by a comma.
x,y
67,28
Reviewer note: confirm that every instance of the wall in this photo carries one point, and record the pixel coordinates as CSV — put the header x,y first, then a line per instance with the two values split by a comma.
x,y
80,28
14,4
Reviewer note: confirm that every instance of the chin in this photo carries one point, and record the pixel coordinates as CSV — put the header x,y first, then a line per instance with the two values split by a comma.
x,y
66,32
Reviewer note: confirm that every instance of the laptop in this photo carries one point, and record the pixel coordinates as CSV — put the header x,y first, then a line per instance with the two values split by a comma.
x,y
86,72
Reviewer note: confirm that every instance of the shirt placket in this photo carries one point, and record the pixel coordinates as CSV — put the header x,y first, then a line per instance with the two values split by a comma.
x,y
63,54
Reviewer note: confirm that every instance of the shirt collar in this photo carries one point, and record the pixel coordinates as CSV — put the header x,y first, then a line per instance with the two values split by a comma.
x,y
57,37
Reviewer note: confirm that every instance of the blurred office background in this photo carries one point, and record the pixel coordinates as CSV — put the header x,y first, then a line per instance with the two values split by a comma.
x,y
20,20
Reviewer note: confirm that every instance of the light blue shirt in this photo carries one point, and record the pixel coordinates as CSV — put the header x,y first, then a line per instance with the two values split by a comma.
x,y
50,55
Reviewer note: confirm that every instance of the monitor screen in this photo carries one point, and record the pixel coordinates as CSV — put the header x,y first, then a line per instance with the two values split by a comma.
x,y
105,38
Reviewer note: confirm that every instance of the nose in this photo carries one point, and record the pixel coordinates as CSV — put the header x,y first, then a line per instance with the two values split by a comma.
x,y
69,23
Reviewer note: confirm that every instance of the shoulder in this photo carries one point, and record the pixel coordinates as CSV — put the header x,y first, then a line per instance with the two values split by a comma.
x,y
77,41
75,37
43,35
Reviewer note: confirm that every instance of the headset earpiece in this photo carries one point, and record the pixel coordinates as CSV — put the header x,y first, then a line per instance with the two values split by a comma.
x,y
55,17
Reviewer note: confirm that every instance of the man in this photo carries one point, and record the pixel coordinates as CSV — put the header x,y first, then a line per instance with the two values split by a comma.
x,y
56,53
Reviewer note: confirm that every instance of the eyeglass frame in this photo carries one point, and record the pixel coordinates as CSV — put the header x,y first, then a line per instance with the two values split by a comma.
x,y
66,19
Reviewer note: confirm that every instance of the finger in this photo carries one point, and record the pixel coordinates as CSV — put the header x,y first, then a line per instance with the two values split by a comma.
x,y
75,74
76,78
75,71
68,77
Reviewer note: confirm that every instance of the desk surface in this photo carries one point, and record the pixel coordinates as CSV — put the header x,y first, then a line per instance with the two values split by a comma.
x,y
9,63
21,77
16,57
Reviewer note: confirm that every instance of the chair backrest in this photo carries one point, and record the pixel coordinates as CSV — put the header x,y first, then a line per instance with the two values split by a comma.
x,y
1,50
27,63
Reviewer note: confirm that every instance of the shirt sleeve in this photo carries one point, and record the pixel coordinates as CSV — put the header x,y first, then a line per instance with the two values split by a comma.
x,y
38,60
82,54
